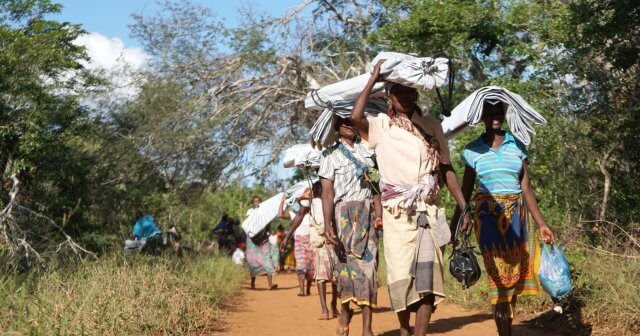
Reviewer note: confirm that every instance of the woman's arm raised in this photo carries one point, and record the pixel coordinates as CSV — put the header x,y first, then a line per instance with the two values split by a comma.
x,y
357,114
281,213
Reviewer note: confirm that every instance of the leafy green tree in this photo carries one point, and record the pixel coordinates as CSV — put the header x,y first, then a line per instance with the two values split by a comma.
x,y
41,77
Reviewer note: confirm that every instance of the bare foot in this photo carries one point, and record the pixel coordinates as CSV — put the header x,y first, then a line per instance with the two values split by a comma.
x,y
274,286
342,331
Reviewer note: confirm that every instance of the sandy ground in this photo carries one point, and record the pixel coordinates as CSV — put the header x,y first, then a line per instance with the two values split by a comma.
x,y
281,312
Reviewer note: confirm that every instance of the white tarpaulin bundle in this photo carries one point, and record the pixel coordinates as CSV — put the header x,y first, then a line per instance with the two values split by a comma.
x,y
262,216
294,192
418,72
518,113
322,133
341,93
302,155
454,125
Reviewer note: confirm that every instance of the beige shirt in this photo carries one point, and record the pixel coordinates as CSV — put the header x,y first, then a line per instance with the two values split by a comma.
x,y
402,157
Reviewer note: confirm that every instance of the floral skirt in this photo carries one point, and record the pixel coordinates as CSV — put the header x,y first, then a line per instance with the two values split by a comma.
x,y
357,277
324,263
259,258
304,255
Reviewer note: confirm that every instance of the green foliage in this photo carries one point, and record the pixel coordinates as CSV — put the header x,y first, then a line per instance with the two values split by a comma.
x,y
563,59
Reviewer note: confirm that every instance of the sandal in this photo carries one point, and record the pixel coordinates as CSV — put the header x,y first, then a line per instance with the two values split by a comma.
x,y
301,294
340,331
325,317
274,286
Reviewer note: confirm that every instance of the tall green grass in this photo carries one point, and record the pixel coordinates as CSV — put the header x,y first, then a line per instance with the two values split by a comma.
x,y
121,294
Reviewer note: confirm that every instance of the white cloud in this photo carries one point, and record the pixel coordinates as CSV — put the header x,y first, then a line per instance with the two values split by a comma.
x,y
110,58
106,53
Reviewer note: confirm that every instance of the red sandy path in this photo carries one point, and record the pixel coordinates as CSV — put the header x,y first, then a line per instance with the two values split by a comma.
x,y
282,313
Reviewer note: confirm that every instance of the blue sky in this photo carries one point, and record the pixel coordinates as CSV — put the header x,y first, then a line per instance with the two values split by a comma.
x,y
110,18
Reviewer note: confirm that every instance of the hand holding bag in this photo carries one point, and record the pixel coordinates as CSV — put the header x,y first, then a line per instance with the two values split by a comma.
x,y
464,264
554,272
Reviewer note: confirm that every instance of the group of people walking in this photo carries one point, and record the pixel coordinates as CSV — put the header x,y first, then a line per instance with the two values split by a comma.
x,y
335,229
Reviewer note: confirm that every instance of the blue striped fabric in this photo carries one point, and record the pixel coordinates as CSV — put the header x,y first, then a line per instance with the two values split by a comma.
x,y
498,172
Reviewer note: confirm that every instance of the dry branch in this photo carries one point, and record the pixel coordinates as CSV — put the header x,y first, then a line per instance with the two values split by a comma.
x,y
20,250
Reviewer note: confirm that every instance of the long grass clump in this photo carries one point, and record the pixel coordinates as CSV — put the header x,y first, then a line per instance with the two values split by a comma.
x,y
121,294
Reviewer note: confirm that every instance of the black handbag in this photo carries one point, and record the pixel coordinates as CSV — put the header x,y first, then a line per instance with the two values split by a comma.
x,y
464,264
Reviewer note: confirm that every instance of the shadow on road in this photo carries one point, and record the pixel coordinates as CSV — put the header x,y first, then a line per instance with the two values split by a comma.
x,y
444,325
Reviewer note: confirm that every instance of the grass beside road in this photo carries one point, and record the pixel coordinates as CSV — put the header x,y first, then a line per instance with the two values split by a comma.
x,y
121,294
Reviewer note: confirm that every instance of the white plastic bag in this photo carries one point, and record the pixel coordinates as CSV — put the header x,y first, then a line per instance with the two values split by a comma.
x,y
238,257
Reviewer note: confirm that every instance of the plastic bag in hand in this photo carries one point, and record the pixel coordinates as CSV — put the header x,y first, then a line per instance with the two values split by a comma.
x,y
554,272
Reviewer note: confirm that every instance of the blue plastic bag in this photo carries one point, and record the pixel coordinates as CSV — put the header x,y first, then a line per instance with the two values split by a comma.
x,y
554,272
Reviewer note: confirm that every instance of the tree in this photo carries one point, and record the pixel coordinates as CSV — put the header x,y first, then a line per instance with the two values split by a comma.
x,y
39,115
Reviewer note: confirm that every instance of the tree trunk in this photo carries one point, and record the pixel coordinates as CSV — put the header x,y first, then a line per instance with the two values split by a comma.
x,y
607,181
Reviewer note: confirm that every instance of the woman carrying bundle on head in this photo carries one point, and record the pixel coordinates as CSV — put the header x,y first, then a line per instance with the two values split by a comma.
x,y
508,243
351,211
259,252
413,158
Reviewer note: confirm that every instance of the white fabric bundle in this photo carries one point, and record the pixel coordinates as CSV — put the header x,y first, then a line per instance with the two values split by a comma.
x,y
341,92
518,112
454,125
418,72
262,216
294,192
302,155
322,133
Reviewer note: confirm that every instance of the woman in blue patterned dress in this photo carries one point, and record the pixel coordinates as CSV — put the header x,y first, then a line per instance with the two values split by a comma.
x,y
504,199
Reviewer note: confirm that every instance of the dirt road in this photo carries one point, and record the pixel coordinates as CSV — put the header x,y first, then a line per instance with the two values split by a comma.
x,y
282,313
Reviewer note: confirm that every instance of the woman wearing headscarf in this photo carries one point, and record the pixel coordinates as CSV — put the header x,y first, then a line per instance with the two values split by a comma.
x,y
508,243
413,159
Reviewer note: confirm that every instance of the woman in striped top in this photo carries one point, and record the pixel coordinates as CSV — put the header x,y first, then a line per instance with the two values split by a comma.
x,y
508,243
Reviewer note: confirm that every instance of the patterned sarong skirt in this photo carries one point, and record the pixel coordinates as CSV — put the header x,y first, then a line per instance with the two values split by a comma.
x,y
357,276
259,258
304,255
508,244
